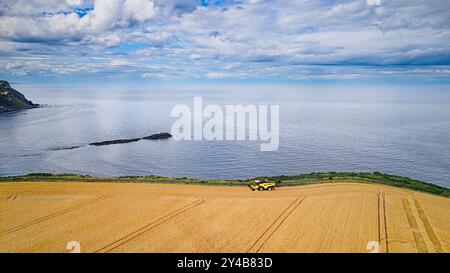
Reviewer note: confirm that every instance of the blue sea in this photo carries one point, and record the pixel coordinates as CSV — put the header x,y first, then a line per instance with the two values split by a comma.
x,y
399,129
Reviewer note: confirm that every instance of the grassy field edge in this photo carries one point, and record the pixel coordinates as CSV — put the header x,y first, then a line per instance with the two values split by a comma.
x,y
283,180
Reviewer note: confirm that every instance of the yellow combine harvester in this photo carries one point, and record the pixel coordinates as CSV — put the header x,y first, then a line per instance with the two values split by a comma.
x,y
262,185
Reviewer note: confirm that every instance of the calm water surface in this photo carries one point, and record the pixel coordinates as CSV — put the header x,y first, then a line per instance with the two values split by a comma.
x,y
402,130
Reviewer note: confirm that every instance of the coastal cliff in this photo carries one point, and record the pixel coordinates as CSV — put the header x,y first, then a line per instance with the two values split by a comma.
x,y
12,100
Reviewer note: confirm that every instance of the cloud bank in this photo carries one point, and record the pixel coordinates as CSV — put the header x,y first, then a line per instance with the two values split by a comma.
x,y
260,39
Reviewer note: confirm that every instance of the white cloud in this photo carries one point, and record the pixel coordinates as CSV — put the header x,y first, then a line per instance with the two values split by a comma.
x,y
374,2
74,2
242,38
216,75
157,76
139,10
106,16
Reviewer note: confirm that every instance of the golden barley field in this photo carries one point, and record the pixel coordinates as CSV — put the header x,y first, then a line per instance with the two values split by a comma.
x,y
132,217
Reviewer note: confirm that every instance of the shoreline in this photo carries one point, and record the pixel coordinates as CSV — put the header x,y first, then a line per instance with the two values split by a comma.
x,y
282,181
6,110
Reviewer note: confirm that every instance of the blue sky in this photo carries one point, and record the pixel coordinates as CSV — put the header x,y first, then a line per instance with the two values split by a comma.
x,y
220,40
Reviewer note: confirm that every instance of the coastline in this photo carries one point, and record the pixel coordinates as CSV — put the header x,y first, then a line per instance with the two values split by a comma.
x,y
282,181
5,110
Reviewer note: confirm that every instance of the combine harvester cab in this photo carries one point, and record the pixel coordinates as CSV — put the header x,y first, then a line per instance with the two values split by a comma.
x,y
262,185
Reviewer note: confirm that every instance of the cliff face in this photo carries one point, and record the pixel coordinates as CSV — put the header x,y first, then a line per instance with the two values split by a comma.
x,y
11,99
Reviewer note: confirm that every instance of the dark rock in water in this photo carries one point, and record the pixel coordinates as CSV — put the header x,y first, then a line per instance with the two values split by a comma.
x,y
117,141
13,100
121,141
65,148
158,136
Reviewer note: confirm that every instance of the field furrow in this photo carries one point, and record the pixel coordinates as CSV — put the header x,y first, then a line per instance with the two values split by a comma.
x,y
218,225
336,222
22,209
256,247
146,228
93,226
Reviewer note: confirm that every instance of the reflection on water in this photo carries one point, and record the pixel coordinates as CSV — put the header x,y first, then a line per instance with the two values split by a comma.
x,y
401,130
